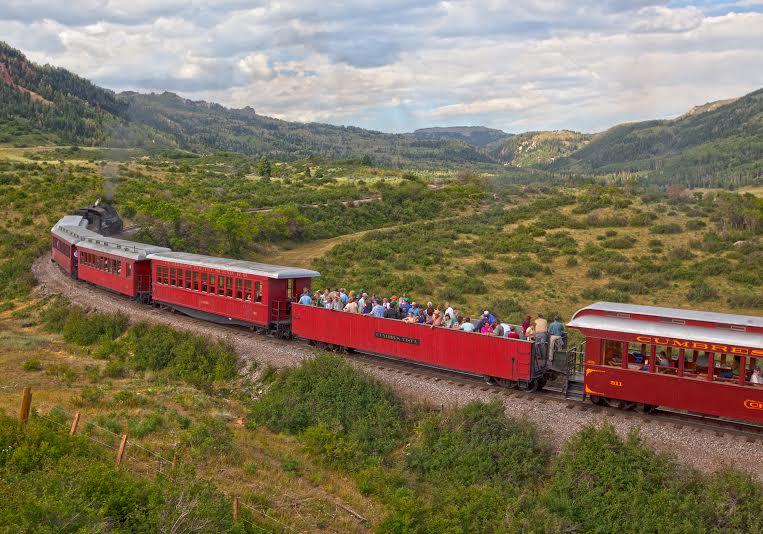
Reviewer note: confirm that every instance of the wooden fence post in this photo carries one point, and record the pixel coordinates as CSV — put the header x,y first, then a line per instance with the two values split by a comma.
x,y
26,404
236,505
121,450
73,429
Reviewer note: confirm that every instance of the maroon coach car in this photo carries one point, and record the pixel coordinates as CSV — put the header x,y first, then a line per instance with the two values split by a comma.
x,y
228,291
118,265
64,237
696,361
508,360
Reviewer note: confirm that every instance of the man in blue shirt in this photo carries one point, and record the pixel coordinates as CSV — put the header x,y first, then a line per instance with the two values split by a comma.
x,y
415,309
343,296
378,310
467,326
305,299
556,328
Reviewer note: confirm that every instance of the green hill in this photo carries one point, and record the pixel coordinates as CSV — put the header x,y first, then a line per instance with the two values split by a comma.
x,y
473,135
710,143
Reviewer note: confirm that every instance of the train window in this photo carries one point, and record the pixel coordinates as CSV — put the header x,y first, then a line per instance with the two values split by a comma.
x,y
290,288
119,267
248,290
128,269
258,291
187,279
203,282
220,285
180,278
228,286
173,276
195,280
239,289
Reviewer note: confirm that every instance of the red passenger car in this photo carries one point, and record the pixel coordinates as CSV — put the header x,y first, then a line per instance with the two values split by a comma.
x,y
228,291
64,237
118,265
510,361
695,361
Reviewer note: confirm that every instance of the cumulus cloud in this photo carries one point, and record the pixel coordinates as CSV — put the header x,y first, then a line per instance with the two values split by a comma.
x,y
400,65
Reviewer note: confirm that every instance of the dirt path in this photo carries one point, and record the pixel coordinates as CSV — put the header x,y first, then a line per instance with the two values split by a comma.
x,y
705,450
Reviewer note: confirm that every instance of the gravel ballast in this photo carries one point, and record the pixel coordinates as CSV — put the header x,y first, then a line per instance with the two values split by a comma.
x,y
707,450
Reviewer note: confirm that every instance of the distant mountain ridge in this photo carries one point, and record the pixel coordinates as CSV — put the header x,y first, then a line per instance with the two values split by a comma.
x,y
473,135
50,105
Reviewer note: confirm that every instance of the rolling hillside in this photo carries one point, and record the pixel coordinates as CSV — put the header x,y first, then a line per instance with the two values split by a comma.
x,y
709,145
711,142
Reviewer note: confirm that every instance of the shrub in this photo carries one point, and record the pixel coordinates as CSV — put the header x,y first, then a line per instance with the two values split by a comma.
x,y
475,444
669,228
208,436
750,299
115,369
701,291
598,293
129,399
468,285
150,423
481,268
517,283
62,372
328,393
32,364
90,396
620,242
506,309
682,254
695,224
86,329
594,273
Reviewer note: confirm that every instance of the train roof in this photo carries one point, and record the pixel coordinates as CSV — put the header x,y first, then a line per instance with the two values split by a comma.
x,y
241,266
120,247
707,327
68,228
670,313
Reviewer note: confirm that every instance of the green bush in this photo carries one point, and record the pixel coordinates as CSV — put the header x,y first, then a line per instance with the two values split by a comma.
x,y
32,364
476,444
620,242
668,228
209,436
519,284
598,477
751,299
148,424
701,291
695,224
326,395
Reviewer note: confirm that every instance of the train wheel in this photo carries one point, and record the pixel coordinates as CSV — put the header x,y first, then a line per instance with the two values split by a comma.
x,y
489,380
530,387
598,401
647,408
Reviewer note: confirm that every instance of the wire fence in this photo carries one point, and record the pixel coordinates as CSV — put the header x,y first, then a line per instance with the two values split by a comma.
x,y
123,458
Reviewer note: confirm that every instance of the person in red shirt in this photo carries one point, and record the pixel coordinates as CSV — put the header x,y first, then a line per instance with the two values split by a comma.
x,y
513,333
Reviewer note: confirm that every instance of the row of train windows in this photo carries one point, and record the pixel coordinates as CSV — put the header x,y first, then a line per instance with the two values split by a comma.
x,y
62,247
105,264
228,286
697,364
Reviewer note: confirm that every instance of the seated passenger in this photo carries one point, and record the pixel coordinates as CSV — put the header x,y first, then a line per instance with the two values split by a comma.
x,y
662,359
378,310
437,318
415,309
513,333
757,378
497,329
305,298
467,325
487,328
410,319
421,319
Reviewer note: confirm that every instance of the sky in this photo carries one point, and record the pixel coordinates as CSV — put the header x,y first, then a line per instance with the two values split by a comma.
x,y
398,65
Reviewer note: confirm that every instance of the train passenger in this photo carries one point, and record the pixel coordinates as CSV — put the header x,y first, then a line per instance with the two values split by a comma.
x,y
421,318
392,312
362,301
513,333
343,295
556,341
378,310
530,333
352,306
338,305
556,328
447,321
487,328
405,306
757,378
467,325
541,329
328,302
437,318
506,329
317,299
498,330
527,323
414,308
449,310
410,319
662,359
305,299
